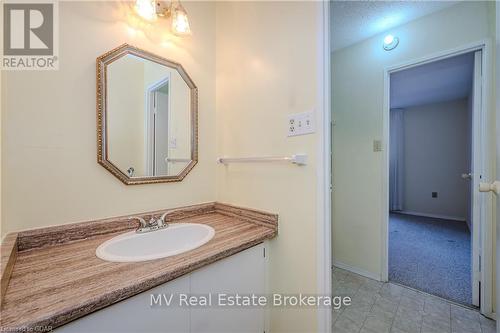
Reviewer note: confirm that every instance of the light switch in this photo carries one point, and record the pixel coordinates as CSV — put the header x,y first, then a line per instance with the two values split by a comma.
x,y
172,143
301,123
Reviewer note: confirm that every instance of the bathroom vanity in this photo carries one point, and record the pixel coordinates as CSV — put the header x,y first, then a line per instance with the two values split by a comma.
x,y
190,295
100,276
56,280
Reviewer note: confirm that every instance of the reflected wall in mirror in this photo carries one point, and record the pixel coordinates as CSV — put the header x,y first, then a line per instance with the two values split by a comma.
x,y
146,115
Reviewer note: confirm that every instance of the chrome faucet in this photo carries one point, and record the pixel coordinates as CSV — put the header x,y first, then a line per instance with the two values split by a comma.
x,y
154,223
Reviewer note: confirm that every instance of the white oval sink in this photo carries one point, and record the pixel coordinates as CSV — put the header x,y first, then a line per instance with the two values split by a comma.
x,y
175,239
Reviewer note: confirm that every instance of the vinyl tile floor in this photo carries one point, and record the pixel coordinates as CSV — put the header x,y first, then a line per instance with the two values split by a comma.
x,y
379,307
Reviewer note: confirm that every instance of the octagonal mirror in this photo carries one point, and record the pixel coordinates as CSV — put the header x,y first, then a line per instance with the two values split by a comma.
x,y
146,117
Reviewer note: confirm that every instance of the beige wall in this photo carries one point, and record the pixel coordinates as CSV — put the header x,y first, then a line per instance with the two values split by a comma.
x,y
271,47
125,121
49,170
357,110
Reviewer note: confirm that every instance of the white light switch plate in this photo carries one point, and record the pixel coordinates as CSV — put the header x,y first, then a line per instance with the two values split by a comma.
x,y
301,123
172,143
377,145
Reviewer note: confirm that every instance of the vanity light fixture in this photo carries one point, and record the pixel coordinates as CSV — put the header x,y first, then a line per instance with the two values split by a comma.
x,y
145,9
390,42
150,10
180,22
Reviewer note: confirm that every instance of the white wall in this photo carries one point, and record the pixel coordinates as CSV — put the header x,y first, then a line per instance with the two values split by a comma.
x,y
267,68
435,157
49,170
357,97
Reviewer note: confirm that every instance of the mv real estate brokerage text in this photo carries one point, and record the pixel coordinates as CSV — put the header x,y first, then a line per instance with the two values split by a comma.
x,y
247,300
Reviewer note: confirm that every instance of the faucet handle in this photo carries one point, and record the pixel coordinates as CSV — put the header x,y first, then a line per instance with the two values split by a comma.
x,y
142,222
161,220
163,216
168,212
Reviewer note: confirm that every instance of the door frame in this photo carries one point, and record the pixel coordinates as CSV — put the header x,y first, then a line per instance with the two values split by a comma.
x,y
149,123
323,162
482,138
497,103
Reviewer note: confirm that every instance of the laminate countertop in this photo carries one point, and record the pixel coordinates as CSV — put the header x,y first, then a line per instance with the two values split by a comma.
x,y
53,284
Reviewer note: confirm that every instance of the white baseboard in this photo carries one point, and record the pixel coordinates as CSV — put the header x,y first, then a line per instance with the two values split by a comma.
x,y
435,216
356,270
491,315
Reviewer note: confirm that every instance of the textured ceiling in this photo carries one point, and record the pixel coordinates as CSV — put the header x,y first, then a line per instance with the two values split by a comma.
x,y
440,81
354,21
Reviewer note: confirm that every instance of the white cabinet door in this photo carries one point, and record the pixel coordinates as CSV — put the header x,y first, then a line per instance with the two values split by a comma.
x,y
136,315
243,273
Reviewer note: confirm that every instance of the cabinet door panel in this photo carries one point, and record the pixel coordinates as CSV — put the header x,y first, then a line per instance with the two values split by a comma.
x,y
136,315
242,273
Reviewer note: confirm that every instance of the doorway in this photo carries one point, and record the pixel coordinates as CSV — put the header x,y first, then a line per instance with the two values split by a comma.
x,y
434,216
157,128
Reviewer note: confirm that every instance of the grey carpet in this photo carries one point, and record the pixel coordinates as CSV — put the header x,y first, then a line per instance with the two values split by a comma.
x,y
431,255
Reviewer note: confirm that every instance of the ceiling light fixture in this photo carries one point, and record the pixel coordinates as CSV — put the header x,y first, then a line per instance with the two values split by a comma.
x,y
390,42
150,10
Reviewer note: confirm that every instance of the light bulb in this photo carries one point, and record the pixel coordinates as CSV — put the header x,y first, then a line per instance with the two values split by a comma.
x,y
146,9
390,42
180,22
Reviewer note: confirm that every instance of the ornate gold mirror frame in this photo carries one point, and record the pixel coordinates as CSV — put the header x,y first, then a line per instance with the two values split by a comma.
x,y
102,144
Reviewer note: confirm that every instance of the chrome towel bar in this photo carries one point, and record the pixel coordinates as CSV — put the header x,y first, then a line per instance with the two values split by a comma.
x,y
177,160
299,159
